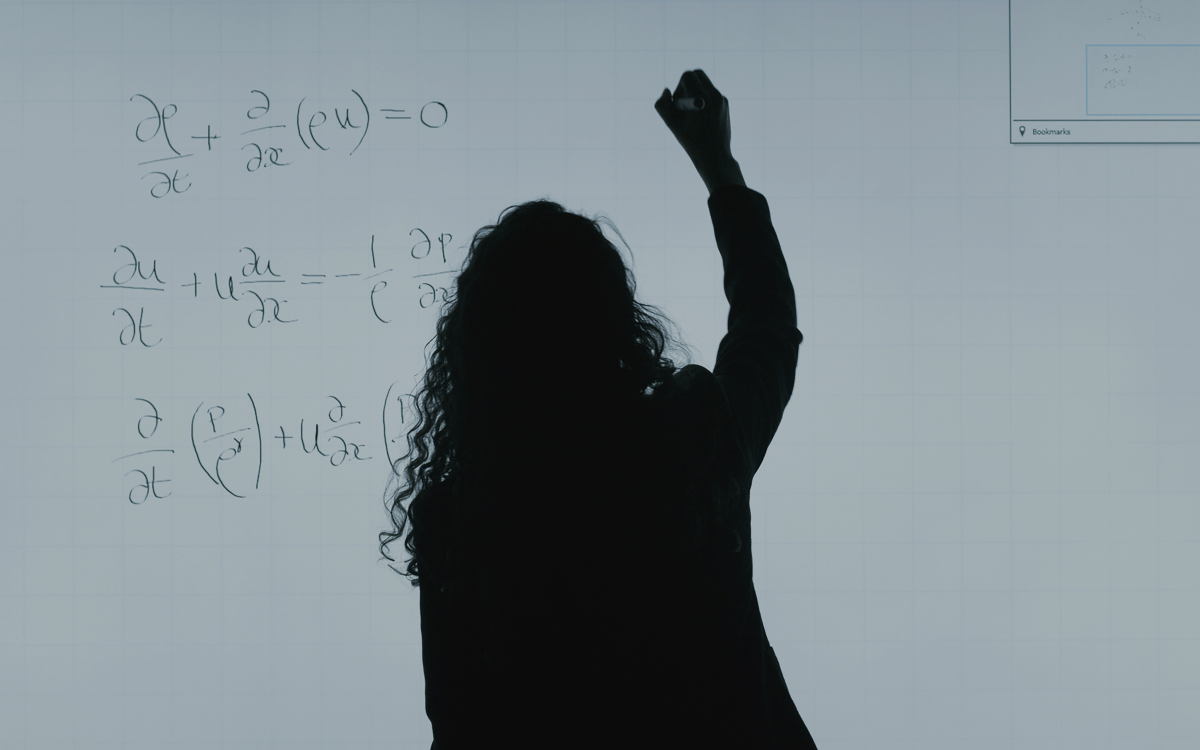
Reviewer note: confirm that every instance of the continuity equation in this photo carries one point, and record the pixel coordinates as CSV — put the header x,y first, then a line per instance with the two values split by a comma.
x,y
229,442
309,130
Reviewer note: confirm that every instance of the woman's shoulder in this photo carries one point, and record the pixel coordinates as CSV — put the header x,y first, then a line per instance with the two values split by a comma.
x,y
693,403
691,378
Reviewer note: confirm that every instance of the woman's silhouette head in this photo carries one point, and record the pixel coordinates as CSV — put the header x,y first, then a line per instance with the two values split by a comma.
x,y
545,306
541,336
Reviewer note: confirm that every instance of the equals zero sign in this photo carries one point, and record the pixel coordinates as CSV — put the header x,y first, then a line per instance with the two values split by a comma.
x,y
394,117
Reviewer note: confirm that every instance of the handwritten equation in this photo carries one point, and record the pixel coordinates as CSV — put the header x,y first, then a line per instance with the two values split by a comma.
x,y
229,442
1116,69
1143,80
244,285
1137,19
264,146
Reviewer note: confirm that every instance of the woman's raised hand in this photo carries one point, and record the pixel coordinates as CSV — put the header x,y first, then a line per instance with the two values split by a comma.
x,y
701,128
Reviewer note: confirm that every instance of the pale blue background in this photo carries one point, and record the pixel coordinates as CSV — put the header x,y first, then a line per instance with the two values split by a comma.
x,y
978,526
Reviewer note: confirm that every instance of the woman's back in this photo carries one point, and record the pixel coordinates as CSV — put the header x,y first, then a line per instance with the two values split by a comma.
x,y
588,617
604,618
606,595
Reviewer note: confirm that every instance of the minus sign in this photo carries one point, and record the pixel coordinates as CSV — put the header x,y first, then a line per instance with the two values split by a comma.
x,y
341,275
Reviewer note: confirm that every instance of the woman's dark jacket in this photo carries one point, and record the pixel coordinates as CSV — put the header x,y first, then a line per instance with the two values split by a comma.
x,y
624,636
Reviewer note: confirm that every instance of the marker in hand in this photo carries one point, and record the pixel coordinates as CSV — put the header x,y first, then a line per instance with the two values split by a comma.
x,y
690,103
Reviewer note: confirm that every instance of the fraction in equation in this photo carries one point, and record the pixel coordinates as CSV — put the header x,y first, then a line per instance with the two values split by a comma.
x,y
230,446
263,144
260,288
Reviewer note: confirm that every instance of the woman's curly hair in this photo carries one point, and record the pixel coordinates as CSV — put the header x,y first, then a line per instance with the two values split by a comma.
x,y
541,327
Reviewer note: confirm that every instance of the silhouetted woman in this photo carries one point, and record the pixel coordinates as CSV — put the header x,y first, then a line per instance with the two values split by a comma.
x,y
580,508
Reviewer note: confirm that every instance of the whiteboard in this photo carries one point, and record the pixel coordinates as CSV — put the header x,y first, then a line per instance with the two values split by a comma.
x,y
978,525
